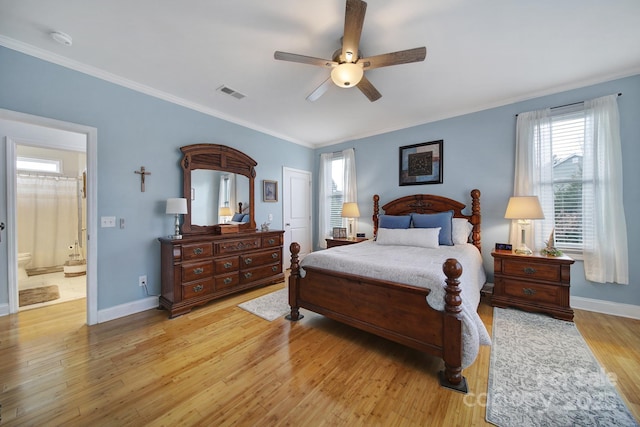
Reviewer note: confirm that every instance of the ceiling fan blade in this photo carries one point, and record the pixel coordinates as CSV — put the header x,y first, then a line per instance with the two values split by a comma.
x,y
353,22
369,90
394,58
320,90
310,60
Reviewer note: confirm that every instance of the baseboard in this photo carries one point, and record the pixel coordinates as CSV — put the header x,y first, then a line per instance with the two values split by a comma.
x,y
4,309
606,307
127,309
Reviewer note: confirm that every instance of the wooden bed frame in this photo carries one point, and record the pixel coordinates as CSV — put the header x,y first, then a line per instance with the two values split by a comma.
x,y
391,310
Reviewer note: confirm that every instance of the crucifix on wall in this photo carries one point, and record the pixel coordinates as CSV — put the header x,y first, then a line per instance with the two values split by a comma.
x,y
142,172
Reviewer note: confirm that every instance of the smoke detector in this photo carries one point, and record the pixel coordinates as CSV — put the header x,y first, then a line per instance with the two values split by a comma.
x,y
62,38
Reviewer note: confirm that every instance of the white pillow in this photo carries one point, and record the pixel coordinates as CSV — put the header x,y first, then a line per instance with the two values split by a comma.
x,y
461,231
421,237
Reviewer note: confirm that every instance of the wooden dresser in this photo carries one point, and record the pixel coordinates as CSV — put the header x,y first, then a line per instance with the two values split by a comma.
x,y
198,269
533,283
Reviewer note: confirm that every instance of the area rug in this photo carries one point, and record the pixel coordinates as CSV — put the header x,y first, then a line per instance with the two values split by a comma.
x,y
37,295
270,306
542,373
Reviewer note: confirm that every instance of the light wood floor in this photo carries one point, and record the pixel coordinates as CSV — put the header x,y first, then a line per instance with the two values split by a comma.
x,y
220,365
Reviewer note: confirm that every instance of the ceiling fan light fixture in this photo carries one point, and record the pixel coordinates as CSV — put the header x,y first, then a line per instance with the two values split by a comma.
x,y
347,74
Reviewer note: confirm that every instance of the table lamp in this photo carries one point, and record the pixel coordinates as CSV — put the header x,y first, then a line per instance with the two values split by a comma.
x,y
176,206
524,209
224,213
350,211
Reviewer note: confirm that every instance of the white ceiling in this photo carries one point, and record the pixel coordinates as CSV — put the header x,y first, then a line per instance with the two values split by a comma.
x,y
480,54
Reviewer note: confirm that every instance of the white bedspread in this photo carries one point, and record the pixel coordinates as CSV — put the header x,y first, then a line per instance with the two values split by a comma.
x,y
419,267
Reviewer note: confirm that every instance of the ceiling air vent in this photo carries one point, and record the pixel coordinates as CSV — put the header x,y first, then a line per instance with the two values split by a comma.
x,y
231,92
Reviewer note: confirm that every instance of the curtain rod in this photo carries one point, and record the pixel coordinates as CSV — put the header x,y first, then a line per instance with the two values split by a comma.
x,y
573,103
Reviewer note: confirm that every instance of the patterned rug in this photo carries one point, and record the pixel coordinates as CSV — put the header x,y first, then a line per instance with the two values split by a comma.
x,y
270,306
542,373
37,295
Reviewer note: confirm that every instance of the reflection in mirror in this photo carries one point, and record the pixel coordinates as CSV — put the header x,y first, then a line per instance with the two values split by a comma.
x,y
212,190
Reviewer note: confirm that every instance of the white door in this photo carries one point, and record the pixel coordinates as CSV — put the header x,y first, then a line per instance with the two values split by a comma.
x,y
296,203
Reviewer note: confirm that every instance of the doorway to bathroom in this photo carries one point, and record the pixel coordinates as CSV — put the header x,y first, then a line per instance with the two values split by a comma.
x,y
20,129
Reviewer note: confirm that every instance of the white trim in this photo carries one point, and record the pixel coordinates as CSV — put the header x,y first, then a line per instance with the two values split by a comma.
x,y
606,307
91,148
127,309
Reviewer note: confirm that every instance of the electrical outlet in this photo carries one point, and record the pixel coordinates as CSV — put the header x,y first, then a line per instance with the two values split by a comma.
x,y
142,280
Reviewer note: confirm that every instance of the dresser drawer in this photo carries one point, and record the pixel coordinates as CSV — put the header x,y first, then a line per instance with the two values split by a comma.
x,y
531,270
196,251
224,265
550,294
257,273
196,289
271,241
259,258
231,246
227,281
197,271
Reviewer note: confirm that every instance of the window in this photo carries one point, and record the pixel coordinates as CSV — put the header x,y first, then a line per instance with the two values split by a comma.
x,y
337,184
336,196
38,165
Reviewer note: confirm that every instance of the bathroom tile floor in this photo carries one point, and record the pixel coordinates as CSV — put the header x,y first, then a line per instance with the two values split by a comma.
x,y
70,288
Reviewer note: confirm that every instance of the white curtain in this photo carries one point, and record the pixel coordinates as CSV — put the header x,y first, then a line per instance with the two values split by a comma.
x,y
605,239
349,186
47,218
227,192
604,228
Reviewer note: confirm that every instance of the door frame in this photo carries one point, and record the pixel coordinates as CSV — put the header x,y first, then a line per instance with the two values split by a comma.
x,y
91,135
285,197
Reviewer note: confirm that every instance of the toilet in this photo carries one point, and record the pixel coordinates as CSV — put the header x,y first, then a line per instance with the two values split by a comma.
x,y
23,261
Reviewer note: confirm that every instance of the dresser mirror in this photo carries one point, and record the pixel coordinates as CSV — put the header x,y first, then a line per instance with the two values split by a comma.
x,y
216,176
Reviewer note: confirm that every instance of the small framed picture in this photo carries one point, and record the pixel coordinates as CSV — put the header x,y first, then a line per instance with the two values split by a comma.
x,y
269,191
336,232
343,233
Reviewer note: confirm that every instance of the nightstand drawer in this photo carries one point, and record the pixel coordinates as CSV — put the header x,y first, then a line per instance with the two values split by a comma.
x,y
531,291
531,270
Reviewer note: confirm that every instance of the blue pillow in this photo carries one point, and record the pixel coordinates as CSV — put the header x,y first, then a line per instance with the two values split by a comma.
x,y
394,221
237,217
442,220
245,218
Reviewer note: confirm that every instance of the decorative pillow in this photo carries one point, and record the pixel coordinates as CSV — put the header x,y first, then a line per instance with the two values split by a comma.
x,y
237,217
394,221
422,237
461,231
245,218
441,219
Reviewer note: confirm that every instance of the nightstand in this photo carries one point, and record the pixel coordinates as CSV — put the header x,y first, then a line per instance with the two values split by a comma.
x,y
333,242
533,283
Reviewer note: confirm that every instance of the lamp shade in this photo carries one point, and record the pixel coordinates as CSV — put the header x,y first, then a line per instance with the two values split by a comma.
x,y
176,206
350,210
524,207
347,74
225,211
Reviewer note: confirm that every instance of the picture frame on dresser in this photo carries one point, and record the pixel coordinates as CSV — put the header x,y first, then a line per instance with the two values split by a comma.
x,y
421,163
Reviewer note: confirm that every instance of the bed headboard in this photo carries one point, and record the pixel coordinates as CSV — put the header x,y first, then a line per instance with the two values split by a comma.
x,y
429,203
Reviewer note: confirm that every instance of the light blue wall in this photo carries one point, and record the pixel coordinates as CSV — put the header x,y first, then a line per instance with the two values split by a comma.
x,y
133,130
479,152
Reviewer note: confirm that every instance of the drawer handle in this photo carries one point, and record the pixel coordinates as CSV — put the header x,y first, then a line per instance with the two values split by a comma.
x,y
271,241
248,261
227,280
198,251
198,288
528,291
198,270
274,255
248,275
274,268
227,265
529,270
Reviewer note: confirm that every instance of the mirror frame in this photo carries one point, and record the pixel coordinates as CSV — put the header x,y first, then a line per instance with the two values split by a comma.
x,y
221,158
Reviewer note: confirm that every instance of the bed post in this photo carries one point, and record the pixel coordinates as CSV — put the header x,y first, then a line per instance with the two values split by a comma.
x,y
452,377
476,218
293,284
376,211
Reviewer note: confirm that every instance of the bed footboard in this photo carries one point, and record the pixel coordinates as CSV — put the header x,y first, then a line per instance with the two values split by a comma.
x,y
391,310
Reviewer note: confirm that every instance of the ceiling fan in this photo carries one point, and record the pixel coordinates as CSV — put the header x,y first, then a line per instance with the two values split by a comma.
x,y
347,66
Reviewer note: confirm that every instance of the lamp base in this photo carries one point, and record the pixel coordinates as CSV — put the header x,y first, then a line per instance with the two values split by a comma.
x,y
523,250
176,237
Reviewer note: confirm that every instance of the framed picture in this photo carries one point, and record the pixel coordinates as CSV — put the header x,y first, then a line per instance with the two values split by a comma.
x,y
339,233
421,163
269,191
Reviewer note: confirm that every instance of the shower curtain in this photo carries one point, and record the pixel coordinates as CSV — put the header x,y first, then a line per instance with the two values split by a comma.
x,y
47,209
